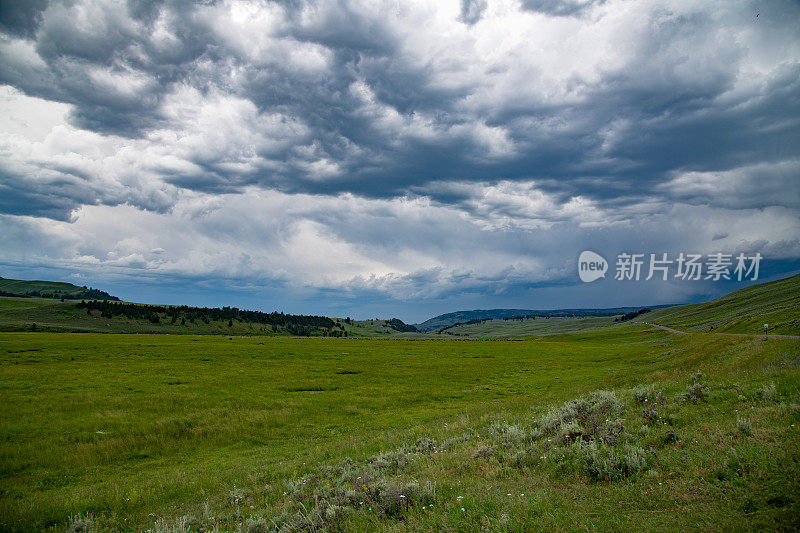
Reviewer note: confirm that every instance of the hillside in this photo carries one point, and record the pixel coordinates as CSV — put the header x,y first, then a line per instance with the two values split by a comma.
x,y
378,328
776,303
527,326
51,289
40,314
461,317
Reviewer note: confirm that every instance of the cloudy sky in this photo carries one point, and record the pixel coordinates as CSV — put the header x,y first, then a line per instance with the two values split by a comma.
x,y
395,158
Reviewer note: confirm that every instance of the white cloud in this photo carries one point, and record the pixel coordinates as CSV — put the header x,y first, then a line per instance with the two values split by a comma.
x,y
284,141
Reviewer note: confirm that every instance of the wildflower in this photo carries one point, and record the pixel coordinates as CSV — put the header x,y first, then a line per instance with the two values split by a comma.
x,y
462,508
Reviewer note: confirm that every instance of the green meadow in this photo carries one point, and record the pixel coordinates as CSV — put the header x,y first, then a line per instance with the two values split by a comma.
x,y
499,328
776,303
215,433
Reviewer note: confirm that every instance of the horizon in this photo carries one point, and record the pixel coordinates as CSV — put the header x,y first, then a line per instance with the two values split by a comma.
x,y
400,160
422,321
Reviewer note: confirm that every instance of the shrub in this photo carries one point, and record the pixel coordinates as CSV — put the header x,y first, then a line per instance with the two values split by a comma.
x,y
80,523
599,462
295,488
650,414
590,413
178,526
569,432
392,499
426,445
509,434
765,393
731,467
670,437
484,452
393,460
603,463
744,426
258,526
695,393
648,394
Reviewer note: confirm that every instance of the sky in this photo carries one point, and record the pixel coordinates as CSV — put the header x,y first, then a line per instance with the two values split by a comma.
x,y
396,158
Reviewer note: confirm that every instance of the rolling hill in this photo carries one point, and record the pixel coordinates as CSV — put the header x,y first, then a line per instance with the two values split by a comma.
x,y
776,303
461,317
51,289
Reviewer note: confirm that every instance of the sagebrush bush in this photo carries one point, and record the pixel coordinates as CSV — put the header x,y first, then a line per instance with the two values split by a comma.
x,y
590,413
744,426
600,462
765,393
80,523
648,394
695,393
177,526
392,461
569,432
509,434
483,452
258,526
650,414
732,466
426,445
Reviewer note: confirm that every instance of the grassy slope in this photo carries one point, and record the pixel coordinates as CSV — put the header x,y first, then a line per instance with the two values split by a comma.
x,y
776,303
374,329
130,428
19,314
438,322
520,328
17,286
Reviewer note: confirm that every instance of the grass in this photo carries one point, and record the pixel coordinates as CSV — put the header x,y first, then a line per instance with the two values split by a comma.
x,y
60,288
499,328
174,432
776,303
50,315
374,329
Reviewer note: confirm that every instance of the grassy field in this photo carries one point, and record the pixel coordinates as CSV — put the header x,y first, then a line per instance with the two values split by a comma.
x,y
776,303
528,326
179,433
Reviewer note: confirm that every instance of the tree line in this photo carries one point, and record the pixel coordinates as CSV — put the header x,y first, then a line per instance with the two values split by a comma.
x,y
632,314
301,325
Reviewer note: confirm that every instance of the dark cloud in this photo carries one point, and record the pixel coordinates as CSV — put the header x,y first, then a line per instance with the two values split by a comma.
x,y
560,8
472,10
424,149
386,119
21,18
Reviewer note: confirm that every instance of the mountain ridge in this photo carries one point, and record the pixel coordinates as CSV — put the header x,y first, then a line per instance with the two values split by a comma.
x,y
450,319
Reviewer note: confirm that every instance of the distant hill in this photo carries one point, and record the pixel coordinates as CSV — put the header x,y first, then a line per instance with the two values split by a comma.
x,y
109,316
776,303
51,289
463,317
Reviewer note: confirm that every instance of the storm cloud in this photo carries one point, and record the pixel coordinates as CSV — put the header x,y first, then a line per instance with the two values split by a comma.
x,y
430,148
